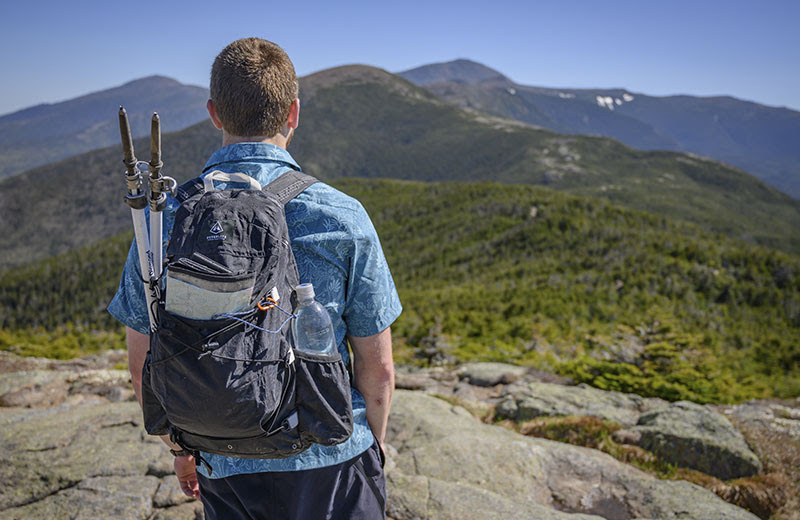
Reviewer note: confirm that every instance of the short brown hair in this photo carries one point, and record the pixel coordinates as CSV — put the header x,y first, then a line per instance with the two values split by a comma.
x,y
253,85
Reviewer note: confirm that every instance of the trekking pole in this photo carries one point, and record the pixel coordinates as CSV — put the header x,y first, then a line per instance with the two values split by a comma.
x,y
159,187
137,201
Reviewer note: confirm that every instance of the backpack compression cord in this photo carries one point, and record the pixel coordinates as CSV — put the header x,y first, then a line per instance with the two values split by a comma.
x,y
149,247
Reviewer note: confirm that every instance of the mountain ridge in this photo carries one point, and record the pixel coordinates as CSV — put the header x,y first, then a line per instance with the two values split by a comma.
x,y
473,68
153,79
49,132
365,122
757,138
461,69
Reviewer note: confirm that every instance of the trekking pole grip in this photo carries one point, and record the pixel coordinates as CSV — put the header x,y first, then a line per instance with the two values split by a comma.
x,y
127,142
155,146
135,198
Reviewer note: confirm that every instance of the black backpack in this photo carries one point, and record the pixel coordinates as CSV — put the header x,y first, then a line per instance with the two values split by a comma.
x,y
229,380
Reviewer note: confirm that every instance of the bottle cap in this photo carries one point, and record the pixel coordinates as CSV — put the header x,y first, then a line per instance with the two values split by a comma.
x,y
305,291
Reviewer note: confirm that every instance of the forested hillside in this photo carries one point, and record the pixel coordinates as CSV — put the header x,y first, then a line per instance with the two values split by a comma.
x,y
364,122
614,297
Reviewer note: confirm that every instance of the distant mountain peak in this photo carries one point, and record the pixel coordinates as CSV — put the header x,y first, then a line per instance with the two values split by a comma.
x,y
348,72
49,132
460,70
154,79
357,74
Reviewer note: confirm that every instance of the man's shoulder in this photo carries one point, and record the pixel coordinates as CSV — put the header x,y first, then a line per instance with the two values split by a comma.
x,y
321,201
326,195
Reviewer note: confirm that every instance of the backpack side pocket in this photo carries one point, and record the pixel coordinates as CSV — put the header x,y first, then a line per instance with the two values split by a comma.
x,y
155,418
324,404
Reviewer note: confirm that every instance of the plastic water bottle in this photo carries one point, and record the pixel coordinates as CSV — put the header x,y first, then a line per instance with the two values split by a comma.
x,y
313,330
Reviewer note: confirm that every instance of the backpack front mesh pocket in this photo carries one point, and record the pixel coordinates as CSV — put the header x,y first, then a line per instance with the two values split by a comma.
x,y
203,296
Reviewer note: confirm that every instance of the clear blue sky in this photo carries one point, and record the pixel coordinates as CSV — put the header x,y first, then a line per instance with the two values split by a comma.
x,y
51,51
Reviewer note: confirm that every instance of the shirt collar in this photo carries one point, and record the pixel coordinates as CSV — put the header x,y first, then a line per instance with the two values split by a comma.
x,y
250,152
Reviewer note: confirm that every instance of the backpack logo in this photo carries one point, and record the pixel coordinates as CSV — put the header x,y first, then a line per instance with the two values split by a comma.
x,y
216,232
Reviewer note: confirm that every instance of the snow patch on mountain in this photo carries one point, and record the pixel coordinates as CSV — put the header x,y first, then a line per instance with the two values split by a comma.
x,y
609,101
605,101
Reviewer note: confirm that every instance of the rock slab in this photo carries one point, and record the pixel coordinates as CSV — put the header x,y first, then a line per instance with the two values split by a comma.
x,y
546,399
694,436
449,465
490,374
86,461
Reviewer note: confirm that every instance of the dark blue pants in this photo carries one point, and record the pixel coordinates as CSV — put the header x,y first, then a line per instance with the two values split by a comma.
x,y
352,490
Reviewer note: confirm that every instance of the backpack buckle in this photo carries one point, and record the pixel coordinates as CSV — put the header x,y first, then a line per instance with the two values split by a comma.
x,y
266,304
290,422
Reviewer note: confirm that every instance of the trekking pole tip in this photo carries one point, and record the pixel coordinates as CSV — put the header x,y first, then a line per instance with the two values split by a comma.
x,y
155,116
121,110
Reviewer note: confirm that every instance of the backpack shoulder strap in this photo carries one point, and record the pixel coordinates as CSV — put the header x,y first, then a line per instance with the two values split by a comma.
x,y
290,185
189,189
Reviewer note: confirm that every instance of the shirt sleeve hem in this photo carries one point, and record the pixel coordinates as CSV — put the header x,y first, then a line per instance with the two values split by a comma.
x,y
126,321
381,324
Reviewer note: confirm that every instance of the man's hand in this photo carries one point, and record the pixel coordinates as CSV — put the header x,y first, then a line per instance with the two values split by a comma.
x,y
186,471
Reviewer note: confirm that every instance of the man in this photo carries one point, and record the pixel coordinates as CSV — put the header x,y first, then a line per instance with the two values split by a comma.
x,y
254,101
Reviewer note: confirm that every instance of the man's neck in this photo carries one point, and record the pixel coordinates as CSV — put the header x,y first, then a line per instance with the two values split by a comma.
x,y
278,140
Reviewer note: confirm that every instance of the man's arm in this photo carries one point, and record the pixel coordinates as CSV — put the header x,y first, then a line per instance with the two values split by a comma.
x,y
138,345
374,377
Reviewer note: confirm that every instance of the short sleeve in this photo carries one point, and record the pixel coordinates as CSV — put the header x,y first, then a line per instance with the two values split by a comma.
x,y
129,305
372,303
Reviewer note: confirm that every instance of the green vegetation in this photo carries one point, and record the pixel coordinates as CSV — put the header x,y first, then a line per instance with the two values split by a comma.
x,y
363,122
75,202
595,433
71,288
64,342
56,308
616,298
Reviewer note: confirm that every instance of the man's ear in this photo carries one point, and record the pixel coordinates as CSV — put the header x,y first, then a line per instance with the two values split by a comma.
x,y
294,114
212,112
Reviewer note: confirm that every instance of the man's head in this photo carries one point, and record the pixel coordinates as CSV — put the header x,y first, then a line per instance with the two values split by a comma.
x,y
253,88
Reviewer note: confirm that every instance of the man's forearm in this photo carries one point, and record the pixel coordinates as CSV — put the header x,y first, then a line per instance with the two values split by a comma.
x,y
138,345
374,377
379,401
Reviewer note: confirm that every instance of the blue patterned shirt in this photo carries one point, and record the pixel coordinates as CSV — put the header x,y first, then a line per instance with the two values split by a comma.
x,y
336,249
